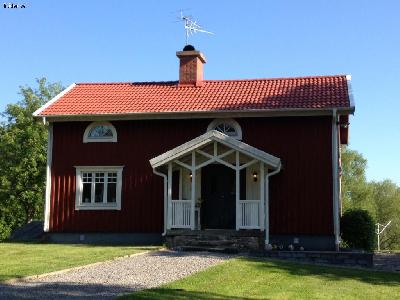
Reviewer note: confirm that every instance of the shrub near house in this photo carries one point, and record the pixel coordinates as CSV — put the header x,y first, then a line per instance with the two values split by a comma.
x,y
358,229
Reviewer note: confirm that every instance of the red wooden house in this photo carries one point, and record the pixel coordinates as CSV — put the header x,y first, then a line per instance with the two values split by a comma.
x,y
249,158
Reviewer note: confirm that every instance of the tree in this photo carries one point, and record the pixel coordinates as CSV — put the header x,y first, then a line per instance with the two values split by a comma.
x,y
356,193
386,196
380,199
23,143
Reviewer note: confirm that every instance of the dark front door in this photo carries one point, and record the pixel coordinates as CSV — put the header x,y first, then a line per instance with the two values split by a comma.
x,y
218,195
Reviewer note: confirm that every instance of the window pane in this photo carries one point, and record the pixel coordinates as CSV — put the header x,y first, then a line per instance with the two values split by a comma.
x,y
226,128
112,177
87,187
86,177
87,193
99,187
101,131
112,192
99,177
98,192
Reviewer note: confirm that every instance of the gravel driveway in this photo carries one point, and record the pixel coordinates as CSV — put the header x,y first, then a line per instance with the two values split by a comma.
x,y
113,278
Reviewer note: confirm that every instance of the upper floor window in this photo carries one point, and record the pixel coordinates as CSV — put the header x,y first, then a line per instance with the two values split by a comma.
x,y
227,126
100,132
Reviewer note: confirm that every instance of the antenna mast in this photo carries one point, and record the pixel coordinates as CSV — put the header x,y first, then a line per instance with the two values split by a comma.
x,y
379,231
191,27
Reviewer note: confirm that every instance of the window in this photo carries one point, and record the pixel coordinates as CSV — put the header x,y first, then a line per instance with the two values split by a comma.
x,y
98,188
227,126
100,132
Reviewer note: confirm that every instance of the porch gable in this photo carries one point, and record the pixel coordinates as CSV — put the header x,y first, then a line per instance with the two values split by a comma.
x,y
210,136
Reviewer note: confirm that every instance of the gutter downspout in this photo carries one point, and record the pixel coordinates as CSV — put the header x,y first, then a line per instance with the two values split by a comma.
x,y
165,198
335,175
266,221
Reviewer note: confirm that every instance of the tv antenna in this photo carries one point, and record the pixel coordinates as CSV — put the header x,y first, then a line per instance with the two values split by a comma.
x,y
379,231
191,27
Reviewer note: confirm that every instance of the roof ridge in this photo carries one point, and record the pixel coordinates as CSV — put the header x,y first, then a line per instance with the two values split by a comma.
x,y
126,82
280,78
212,80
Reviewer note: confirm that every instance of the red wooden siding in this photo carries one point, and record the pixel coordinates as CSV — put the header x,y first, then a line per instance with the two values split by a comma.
x,y
300,196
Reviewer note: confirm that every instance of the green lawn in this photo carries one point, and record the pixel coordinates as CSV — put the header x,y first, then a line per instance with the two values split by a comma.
x,y
257,279
24,259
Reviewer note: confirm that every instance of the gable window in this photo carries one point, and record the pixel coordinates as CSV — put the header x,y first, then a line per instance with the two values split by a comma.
x,y
227,126
98,188
100,132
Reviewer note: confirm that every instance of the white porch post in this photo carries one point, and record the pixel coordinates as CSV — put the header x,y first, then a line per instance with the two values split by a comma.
x,y
238,214
169,195
192,215
180,183
262,198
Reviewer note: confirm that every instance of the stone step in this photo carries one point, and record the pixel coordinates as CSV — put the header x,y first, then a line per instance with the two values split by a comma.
x,y
226,250
210,243
211,237
215,242
219,239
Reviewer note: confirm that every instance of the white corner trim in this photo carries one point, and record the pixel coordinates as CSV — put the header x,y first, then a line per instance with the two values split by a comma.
x,y
335,178
46,105
350,92
230,122
48,178
113,139
98,206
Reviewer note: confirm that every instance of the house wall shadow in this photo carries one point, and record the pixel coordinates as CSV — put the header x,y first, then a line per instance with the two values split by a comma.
x,y
64,290
99,291
178,294
331,273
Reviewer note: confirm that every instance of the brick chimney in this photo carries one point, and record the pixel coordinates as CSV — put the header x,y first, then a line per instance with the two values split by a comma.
x,y
190,66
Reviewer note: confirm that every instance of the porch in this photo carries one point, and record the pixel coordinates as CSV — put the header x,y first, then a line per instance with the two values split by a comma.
x,y
215,182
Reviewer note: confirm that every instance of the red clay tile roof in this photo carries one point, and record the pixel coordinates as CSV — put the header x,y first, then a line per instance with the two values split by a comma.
x,y
316,92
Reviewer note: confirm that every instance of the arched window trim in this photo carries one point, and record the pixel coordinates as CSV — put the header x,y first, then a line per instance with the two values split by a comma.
x,y
112,139
229,122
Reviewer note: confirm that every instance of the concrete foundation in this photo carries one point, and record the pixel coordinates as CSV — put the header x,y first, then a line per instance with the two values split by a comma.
x,y
106,238
308,242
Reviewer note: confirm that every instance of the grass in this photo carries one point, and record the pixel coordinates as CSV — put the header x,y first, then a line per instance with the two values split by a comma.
x,y
266,279
388,251
24,259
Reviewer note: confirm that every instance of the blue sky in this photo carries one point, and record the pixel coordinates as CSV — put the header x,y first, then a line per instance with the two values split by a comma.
x,y
88,41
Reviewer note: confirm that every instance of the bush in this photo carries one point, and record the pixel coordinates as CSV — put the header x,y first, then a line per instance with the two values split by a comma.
x,y
5,230
358,229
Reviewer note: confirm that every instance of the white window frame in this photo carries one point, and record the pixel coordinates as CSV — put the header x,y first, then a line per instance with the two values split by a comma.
x,y
229,122
87,139
79,205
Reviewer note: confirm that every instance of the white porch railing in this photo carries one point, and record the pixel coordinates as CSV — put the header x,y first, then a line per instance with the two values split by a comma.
x,y
181,213
249,217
